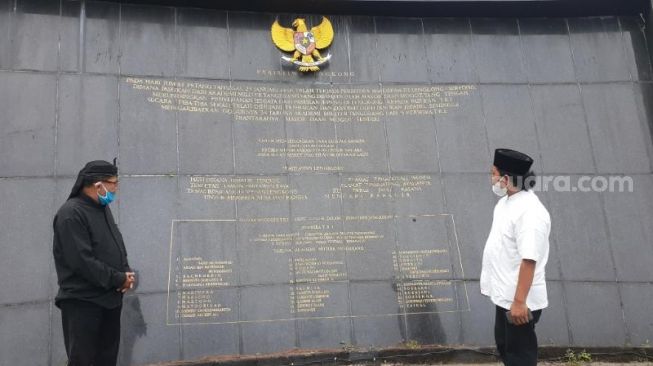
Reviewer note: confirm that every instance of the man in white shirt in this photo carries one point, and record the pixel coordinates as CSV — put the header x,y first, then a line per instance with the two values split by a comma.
x,y
515,257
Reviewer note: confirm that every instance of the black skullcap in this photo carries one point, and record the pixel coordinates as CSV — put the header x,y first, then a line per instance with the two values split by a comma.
x,y
511,161
96,170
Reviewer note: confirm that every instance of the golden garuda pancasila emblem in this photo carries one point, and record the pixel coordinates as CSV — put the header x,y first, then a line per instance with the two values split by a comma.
x,y
304,43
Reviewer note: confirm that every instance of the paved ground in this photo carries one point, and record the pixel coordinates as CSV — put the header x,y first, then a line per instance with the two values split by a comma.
x,y
500,364
550,364
542,364
390,357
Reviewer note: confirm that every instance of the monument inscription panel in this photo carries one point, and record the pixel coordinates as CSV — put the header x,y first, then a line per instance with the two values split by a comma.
x,y
314,253
306,129
206,270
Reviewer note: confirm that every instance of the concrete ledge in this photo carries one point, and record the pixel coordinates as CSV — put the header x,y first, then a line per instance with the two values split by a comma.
x,y
417,355
423,8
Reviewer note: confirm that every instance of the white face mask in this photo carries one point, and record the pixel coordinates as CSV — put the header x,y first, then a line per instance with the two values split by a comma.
x,y
496,189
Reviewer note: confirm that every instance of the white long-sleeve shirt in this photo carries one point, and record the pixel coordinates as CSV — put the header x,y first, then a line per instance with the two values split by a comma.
x,y
520,230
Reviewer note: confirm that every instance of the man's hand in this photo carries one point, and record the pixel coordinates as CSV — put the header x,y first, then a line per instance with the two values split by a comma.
x,y
519,313
130,279
519,309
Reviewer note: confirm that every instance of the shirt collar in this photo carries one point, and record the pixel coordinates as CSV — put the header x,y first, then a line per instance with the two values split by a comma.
x,y
516,196
89,201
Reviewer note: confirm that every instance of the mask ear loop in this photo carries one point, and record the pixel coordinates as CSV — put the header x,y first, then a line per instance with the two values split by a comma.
x,y
507,178
98,185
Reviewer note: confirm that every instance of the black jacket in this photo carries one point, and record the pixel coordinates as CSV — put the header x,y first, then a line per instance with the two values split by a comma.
x,y
89,253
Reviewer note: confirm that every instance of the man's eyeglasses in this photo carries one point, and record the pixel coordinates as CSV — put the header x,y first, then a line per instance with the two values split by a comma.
x,y
116,182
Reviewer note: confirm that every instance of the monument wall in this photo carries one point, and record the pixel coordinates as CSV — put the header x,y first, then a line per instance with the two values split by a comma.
x,y
268,210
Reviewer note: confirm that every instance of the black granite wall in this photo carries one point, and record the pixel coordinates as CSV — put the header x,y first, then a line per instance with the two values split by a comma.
x,y
261,220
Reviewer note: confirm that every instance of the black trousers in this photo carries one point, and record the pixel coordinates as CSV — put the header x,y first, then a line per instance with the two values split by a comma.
x,y
517,344
91,333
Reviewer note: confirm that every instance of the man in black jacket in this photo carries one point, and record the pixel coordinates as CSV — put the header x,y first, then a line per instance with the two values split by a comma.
x,y
92,269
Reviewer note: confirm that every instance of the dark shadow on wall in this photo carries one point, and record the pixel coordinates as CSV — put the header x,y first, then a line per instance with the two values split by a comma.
x,y
133,327
425,328
649,30
647,88
647,100
421,328
635,37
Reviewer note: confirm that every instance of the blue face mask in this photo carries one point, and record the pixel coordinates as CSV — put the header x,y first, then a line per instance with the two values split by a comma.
x,y
107,198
